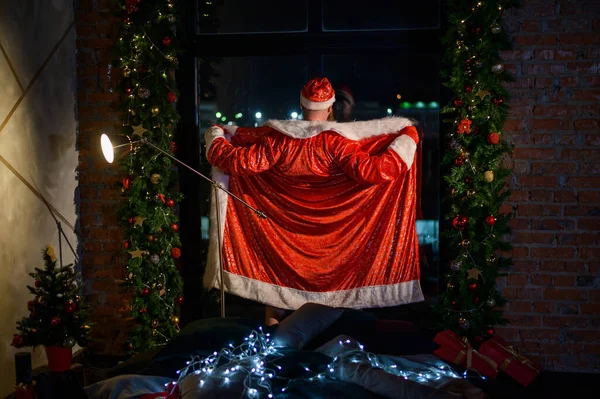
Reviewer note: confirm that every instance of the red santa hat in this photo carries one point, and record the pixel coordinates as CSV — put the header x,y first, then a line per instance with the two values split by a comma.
x,y
317,94
346,94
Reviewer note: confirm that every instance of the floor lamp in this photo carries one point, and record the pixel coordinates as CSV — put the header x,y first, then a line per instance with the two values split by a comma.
x,y
123,145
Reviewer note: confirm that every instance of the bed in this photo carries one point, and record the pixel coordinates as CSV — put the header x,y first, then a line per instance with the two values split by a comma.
x,y
316,352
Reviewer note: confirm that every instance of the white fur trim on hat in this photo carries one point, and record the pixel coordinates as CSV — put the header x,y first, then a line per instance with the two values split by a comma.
x,y
316,106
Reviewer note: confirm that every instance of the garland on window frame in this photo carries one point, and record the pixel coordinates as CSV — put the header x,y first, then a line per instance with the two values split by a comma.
x,y
475,175
147,51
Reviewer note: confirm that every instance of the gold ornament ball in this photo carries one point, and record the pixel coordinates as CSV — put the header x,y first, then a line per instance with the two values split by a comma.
x,y
153,285
154,323
126,72
155,111
488,176
159,286
175,320
154,332
471,193
465,243
155,178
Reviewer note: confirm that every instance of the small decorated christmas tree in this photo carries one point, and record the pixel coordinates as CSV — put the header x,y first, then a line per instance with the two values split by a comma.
x,y
58,316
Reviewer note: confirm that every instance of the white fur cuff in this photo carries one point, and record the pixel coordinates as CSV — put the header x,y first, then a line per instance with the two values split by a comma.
x,y
211,134
316,106
405,147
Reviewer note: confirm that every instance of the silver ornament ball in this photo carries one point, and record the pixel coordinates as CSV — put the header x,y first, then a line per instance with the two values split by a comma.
x,y
455,265
491,302
496,28
498,68
155,259
69,342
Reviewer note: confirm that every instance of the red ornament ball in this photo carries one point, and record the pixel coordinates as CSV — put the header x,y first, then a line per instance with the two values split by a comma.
x,y
126,182
460,222
498,101
144,292
493,138
143,310
126,20
55,321
173,147
472,286
490,332
126,244
170,203
490,220
476,300
171,97
17,341
468,180
175,253
179,301
468,89
38,283
459,161
128,90
131,220
150,238
174,227
167,41
458,102
70,306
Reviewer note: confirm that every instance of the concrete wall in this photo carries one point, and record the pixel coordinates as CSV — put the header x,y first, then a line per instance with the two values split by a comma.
x,y
37,152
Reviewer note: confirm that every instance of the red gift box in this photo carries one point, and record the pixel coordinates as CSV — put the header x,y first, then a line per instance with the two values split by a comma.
x,y
459,351
522,369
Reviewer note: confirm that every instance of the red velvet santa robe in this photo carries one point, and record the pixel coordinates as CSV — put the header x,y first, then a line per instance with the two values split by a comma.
x,y
340,200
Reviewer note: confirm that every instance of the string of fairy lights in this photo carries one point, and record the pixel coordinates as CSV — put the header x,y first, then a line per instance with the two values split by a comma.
x,y
254,363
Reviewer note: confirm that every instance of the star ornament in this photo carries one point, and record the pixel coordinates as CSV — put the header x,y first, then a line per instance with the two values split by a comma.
x,y
137,254
473,273
50,253
139,220
139,130
482,93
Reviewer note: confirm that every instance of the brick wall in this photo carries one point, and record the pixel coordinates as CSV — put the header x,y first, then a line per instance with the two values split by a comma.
x,y
554,287
103,265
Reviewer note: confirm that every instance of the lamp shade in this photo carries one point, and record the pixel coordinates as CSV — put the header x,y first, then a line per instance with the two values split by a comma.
x,y
115,147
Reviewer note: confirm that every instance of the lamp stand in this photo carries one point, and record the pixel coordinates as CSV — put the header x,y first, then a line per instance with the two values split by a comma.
x,y
216,185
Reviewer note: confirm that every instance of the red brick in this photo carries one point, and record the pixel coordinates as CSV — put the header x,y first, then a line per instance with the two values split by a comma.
x,y
527,237
589,169
539,335
592,139
580,154
592,81
517,279
513,125
585,124
519,224
550,124
543,307
590,253
541,279
537,181
525,265
570,81
552,224
519,195
509,334
582,210
532,26
590,109
579,38
520,307
541,195
543,139
590,308
584,182
583,336
564,281
552,253
535,40
564,196
562,266
586,95
543,83
564,294
522,293
556,110
578,239
589,197
524,320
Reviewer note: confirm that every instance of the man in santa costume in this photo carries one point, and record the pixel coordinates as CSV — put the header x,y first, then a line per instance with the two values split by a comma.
x,y
340,200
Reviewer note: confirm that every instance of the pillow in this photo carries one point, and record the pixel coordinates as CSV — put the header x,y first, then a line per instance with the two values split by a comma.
x,y
296,330
126,387
355,323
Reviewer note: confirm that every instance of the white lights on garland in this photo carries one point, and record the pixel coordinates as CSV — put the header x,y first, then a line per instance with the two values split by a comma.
x,y
248,363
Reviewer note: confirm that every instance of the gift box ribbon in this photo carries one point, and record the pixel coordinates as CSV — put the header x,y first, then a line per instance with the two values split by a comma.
x,y
515,355
468,352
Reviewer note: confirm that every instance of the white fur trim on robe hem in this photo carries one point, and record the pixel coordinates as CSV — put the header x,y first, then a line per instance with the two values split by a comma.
x,y
211,275
406,147
290,298
301,129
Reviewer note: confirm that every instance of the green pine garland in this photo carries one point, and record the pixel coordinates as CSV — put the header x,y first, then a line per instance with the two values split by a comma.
x,y
474,172
148,52
58,315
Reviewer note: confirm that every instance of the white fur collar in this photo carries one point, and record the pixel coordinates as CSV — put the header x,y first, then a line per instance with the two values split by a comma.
x,y
301,129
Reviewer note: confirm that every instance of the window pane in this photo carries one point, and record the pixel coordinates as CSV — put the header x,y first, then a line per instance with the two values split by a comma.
x,y
244,16
380,15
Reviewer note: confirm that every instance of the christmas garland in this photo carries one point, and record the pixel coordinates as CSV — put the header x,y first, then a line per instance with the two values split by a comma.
x,y
147,51
474,171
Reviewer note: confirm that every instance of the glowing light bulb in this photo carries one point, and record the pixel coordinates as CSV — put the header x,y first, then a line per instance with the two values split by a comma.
x,y
258,115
